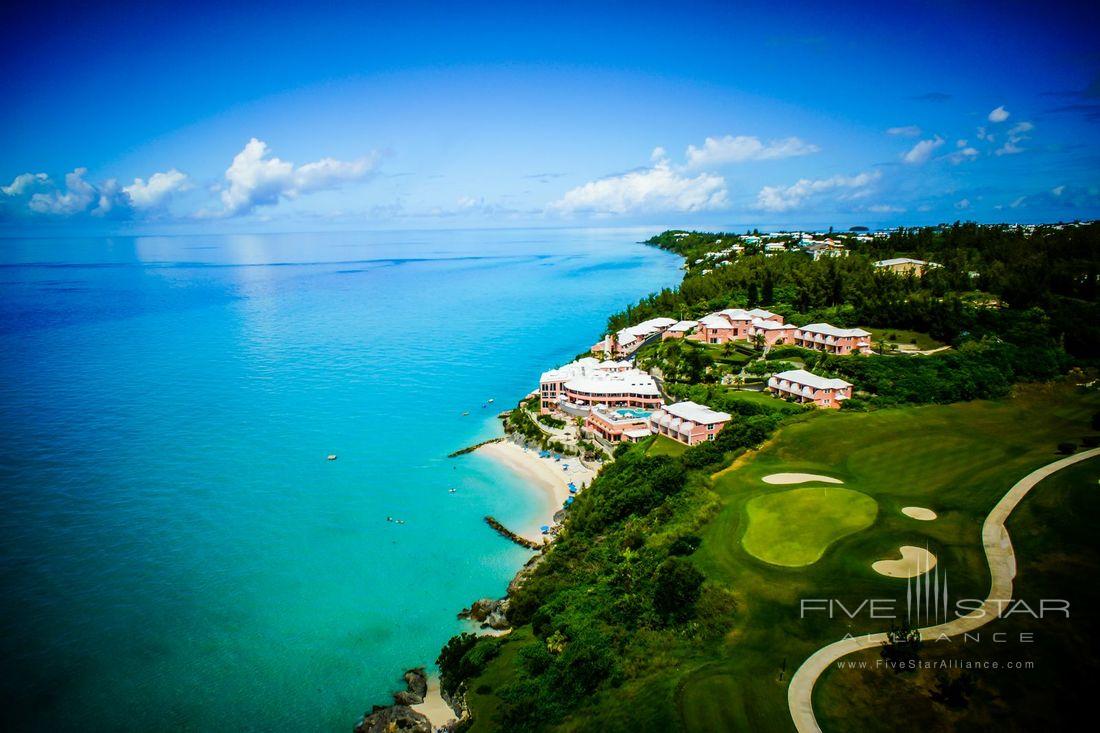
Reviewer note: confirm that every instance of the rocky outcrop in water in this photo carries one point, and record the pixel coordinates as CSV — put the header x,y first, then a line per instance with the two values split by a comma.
x,y
393,718
489,613
416,681
399,717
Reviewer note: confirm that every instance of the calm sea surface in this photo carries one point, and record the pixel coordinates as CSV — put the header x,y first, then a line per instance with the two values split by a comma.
x,y
175,551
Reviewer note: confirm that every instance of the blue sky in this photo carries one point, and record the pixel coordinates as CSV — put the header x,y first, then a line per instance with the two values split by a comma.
x,y
187,117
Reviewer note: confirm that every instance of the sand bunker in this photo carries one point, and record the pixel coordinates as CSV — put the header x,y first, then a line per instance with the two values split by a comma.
x,y
799,478
914,561
918,512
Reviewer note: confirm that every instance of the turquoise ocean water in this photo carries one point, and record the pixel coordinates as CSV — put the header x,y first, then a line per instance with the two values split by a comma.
x,y
175,551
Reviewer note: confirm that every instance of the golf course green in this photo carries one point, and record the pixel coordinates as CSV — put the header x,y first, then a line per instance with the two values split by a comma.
x,y
794,528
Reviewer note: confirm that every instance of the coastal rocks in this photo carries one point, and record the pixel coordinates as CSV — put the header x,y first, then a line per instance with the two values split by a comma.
x,y
525,573
509,534
457,702
479,611
399,716
407,698
498,617
394,718
417,682
489,613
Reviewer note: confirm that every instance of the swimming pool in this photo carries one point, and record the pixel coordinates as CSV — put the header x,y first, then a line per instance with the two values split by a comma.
x,y
632,414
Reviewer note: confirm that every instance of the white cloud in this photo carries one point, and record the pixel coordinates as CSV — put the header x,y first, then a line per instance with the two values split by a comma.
x,y
886,209
24,182
922,151
785,198
254,179
999,115
963,155
960,143
660,188
110,198
76,198
729,149
1058,190
156,191
962,204
1015,136
904,131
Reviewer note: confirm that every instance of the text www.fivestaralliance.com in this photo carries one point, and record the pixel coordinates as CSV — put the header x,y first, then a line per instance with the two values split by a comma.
x,y
938,664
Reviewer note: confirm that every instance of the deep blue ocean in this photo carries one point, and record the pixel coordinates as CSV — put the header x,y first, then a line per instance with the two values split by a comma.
x,y
176,553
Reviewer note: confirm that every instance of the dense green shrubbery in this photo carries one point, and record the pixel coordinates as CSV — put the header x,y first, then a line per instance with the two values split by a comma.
x,y
463,657
551,421
976,370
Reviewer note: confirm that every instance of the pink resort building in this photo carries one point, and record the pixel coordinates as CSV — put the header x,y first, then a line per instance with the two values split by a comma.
x,y
614,425
833,340
807,387
688,422
577,387
732,324
774,333
679,330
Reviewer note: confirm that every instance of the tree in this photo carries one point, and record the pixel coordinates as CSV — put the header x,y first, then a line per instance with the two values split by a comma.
x,y
678,583
902,647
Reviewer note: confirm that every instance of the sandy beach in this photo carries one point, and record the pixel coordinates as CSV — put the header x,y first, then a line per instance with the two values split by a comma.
x,y
438,712
545,473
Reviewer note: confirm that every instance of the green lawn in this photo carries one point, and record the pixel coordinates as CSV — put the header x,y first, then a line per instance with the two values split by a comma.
x,y
665,446
795,527
763,398
923,341
735,354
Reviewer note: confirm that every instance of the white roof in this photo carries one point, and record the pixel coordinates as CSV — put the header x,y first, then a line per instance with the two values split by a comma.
x,y
683,325
696,413
826,329
903,261
805,378
736,314
638,432
715,321
645,328
587,366
633,381
761,313
761,325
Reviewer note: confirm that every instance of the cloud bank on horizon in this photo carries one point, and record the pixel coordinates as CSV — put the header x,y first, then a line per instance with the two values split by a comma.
x,y
486,134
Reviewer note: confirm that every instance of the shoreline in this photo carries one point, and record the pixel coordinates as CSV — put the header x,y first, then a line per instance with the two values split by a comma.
x,y
434,707
546,474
